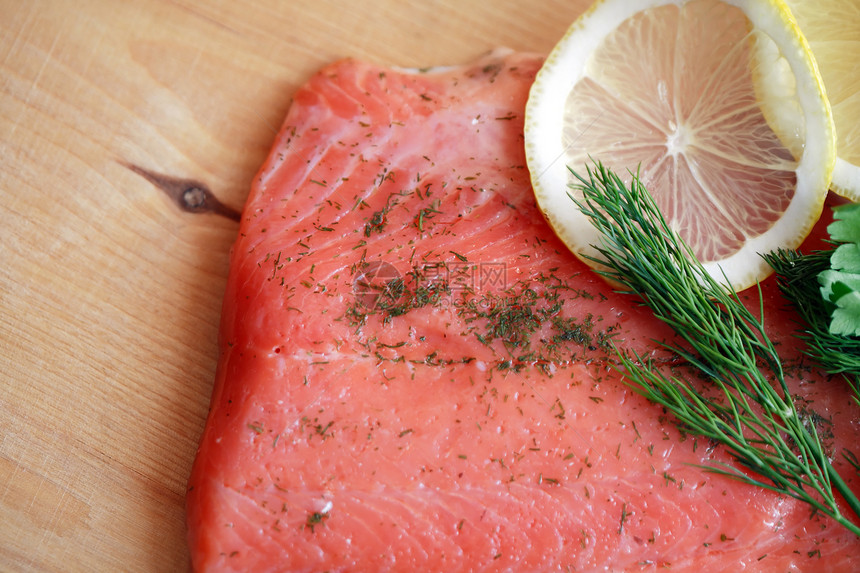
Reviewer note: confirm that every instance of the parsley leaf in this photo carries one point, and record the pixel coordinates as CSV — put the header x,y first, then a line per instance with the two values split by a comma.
x,y
840,284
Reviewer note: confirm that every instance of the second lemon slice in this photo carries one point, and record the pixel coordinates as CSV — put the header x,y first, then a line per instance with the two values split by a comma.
x,y
667,87
832,28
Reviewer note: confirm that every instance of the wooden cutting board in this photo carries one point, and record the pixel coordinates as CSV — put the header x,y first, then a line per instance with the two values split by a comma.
x,y
110,292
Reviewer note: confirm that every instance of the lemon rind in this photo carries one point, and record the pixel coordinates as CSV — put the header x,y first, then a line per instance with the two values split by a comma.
x,y
545,155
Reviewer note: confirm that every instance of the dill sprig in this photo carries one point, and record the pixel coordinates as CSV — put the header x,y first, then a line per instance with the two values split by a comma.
x,y
755,416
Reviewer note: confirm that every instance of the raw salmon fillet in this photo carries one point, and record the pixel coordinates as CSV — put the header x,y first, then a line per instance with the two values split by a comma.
x,y
415,374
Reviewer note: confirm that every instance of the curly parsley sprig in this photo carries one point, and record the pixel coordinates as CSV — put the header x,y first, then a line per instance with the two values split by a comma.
x,y
824,287
796,278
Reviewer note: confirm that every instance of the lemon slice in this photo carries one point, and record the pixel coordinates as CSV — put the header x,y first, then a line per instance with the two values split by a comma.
x,y
667,87
832,28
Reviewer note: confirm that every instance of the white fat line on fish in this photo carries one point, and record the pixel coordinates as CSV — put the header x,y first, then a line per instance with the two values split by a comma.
x,y
305,179
550,407
334,356
541,174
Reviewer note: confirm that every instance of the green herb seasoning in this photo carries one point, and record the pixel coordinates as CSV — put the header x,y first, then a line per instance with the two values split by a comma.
x,y
314,519
723,340
824,287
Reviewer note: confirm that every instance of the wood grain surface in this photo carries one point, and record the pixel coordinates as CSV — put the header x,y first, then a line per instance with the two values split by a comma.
x,y
110,293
